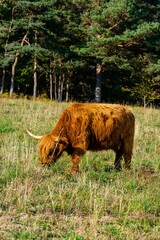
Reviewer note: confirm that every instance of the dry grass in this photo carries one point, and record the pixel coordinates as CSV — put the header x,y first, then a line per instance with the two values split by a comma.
x,y
99,203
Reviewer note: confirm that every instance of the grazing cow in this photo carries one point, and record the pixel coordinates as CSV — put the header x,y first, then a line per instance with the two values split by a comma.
x,y
89,126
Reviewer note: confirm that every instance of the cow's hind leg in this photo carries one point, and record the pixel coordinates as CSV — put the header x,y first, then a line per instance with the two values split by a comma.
x,y
128,148
127,156
127,159
117,163
125,151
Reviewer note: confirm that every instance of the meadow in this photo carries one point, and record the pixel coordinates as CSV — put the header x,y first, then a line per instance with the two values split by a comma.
x,y
97,204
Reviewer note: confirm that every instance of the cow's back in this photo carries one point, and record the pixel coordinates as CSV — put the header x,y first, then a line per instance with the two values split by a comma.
x,y
98,125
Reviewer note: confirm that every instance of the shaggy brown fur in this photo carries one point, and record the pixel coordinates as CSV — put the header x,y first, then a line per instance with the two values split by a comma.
x,y
90,126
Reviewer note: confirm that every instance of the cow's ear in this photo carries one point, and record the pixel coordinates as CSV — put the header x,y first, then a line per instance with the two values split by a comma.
x,y
49,153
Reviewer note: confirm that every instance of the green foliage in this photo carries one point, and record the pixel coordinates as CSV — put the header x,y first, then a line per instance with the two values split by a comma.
x,y
148,86
6,125
23,234
71,35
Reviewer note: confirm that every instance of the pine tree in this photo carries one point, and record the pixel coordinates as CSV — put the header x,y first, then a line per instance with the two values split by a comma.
x,y
27,18
61,43
6,25
117,30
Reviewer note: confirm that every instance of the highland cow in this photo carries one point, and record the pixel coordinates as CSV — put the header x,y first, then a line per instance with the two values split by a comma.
x,y
89,126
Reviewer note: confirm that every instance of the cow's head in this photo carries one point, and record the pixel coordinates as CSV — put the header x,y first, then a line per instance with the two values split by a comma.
x,y
50,147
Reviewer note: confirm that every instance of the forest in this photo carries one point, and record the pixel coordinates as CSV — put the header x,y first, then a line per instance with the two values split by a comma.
x,y
81,50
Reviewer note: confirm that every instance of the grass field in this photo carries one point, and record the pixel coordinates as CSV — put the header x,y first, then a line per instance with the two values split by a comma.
x,y
97,204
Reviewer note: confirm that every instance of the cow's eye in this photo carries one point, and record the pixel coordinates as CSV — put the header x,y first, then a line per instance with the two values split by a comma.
x,y
49,154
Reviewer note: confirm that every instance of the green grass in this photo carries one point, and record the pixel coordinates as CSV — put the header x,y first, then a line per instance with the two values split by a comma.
x,y
99,203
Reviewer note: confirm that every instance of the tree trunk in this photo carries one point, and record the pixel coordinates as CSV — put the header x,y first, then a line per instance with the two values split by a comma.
x,y
59,83
60,87
13,74
35,79
98,80
70,73
35,70
51,80
67,91
55,83
5,53
14,65
145,102
3,78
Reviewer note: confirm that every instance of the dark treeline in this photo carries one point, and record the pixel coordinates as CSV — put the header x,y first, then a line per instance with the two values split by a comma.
x,y
57,48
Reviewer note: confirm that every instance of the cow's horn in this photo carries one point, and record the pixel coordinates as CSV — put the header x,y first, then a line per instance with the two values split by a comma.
x,y
32,135
58,138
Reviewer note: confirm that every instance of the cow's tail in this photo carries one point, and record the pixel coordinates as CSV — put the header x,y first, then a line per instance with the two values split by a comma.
x,y
129,139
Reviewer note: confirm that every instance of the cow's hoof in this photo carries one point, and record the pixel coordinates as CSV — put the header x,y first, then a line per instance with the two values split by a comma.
x,y
74,172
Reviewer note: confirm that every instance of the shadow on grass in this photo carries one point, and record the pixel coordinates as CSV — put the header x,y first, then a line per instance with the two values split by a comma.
x,y
110,169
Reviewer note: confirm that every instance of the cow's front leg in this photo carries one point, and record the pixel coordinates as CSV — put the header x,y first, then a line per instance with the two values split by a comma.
x,y
76,157
75,164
